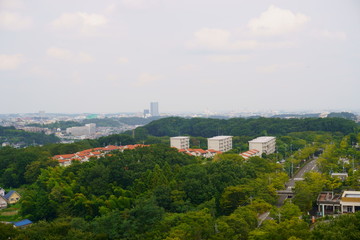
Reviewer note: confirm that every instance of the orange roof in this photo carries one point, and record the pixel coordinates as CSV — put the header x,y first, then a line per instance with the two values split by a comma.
x,y
96,153
202,151
65,156
63,160
86,151
111,147
98,149
82,154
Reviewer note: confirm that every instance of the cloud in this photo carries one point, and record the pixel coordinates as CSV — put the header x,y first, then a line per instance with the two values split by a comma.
x,y
83,22
14,22
228,58
333,35
277,21
272,68
65,54
122,60
11,62
11,4
219,39
146,78
139,4
187,67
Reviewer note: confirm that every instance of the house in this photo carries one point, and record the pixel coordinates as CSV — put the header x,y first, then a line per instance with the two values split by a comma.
x,y
347,202
342,176
2,192
328,203
250,153
350,201
3,202
12,197
22,224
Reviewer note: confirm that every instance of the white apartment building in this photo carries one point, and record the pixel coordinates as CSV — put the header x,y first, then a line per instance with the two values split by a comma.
x,y
180,142
263,144
220,143
87,130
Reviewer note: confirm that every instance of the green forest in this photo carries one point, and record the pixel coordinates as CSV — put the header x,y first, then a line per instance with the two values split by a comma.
x,y
12,135
158,193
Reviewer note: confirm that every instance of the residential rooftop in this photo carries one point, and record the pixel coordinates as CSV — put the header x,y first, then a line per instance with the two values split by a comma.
x,y
262,139
220,137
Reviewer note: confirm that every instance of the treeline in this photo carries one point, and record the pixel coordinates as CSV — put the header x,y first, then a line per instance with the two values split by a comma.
x,y
23,166
156,193
100,122
12,135
207,127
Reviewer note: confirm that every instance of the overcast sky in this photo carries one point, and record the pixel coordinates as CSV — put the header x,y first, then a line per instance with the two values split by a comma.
x,y
189,55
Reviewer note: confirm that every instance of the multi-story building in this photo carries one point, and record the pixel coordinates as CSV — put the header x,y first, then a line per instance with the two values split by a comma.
x,y
263,144
154,109
180,142
87,130
220,143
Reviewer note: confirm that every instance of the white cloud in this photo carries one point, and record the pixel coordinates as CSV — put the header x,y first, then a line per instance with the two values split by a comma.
x,y
276,21
65,54
219,39
11,62
333,35
14,21
85,23
228,58
84,57
272,68
11,4
139,4
122,60
187,67
146,78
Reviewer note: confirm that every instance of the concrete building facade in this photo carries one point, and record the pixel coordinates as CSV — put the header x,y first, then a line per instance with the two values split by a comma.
x,y
263,144
154,109
87,130
180,142
220,143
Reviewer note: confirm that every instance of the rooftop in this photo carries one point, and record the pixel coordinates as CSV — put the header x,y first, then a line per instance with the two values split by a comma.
x,y
179,137
262,139
220,137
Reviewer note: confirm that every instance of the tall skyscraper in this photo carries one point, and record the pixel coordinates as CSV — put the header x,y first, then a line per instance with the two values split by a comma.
x,y
154,109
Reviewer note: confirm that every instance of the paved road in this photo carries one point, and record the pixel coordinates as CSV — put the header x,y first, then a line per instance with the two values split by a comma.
x,y
310,166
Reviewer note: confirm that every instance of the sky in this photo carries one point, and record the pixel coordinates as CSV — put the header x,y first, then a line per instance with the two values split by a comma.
x,y
189,55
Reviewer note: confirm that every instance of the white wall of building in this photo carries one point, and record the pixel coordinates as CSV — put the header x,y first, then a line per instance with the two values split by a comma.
x,y
180,142
220,143
263,144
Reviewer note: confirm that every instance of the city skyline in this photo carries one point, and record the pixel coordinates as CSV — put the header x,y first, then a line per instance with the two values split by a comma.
x,y
216,56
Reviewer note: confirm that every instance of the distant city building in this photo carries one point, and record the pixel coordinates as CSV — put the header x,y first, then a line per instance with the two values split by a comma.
x,y
220,143
180,142
146,113
87,130
263,144
154,109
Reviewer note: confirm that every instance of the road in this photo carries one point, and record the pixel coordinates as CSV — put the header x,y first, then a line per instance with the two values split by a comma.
x,y
309,166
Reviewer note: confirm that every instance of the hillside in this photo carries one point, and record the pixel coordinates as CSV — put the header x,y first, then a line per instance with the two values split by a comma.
x,y
207,127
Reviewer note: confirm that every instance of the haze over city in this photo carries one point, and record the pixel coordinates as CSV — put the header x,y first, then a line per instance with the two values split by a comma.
x,y
230,55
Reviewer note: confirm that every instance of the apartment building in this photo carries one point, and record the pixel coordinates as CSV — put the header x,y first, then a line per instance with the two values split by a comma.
x,y
263,144
180,142
220,143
